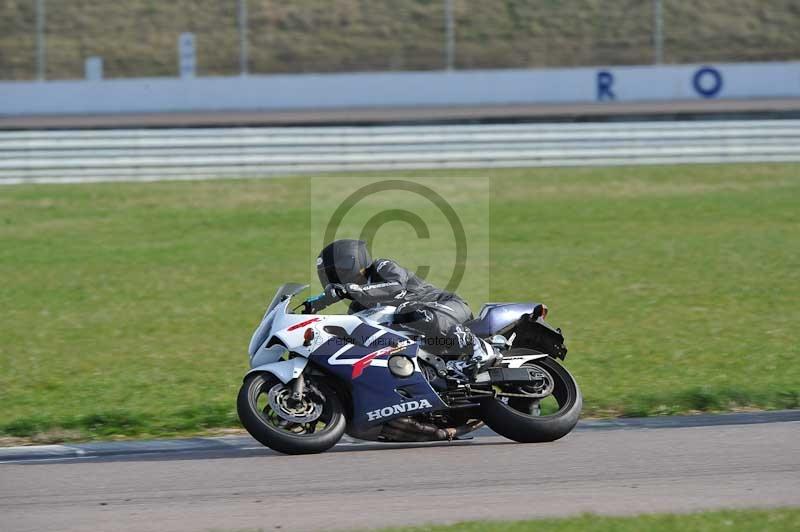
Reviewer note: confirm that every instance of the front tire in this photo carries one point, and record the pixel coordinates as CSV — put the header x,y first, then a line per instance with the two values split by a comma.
x,y
511,420
282,432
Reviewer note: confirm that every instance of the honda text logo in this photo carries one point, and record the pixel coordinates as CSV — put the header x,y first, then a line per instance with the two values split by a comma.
x,y
402,408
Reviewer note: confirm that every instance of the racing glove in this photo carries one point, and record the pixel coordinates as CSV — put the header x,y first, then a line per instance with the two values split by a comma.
x,y
332,294
335,292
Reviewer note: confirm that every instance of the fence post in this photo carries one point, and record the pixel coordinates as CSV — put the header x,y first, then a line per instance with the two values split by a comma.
x,y
243,68
41,54
658,32
449,35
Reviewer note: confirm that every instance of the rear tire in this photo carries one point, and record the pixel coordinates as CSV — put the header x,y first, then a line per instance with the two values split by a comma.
x,y
263,428
508,421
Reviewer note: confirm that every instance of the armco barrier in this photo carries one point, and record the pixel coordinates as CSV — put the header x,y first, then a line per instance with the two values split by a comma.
x,y
153,154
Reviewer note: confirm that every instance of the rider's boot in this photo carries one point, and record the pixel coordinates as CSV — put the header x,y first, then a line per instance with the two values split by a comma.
x,y
483,354
480,353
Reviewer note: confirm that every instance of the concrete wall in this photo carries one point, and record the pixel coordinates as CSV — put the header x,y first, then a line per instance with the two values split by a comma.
x,y
403,89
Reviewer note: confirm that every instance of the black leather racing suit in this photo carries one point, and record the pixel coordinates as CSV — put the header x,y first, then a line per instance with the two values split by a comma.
x,y
430,311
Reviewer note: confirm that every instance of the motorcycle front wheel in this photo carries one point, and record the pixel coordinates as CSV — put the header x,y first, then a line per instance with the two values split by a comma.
x,y
312,424
521,419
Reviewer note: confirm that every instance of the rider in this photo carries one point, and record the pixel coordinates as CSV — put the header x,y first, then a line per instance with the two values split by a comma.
x,y
347,271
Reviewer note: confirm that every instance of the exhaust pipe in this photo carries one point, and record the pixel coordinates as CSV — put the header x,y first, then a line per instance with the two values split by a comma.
x,y
406,429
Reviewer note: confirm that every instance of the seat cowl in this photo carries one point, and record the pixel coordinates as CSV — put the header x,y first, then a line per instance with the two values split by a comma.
x,y
495,317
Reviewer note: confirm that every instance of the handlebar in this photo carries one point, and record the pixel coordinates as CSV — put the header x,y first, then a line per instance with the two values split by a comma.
x,y
329,296
309,306
315,298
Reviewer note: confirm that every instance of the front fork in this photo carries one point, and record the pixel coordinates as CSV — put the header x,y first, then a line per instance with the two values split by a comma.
x,y
298,388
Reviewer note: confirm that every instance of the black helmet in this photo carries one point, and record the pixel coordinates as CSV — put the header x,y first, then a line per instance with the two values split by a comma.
x,y
342,261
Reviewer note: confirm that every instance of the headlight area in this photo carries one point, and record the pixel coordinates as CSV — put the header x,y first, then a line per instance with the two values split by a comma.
x,y
401,366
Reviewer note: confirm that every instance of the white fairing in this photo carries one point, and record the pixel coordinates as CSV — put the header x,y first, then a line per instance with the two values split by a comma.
x,y
267,355
509,362
518,361
378,315
285,370
259,334
289,330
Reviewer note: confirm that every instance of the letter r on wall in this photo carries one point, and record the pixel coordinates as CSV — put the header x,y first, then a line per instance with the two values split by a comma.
x,y
605,80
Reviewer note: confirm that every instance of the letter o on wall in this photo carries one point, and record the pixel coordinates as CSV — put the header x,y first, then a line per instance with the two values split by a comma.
x,y
707,82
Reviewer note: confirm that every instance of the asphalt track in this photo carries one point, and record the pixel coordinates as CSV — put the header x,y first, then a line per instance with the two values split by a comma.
x,y
632,468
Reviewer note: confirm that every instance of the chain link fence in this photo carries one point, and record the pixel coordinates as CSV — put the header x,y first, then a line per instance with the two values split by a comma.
x,y
51,39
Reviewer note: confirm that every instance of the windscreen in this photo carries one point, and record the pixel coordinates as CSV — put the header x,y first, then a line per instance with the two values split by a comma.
x,y
286,290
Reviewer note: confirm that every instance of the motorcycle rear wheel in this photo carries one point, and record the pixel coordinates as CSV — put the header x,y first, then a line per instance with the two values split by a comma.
x,y
511,420
271,429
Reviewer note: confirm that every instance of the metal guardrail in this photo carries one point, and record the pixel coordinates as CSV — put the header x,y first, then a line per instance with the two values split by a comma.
x,y
153,154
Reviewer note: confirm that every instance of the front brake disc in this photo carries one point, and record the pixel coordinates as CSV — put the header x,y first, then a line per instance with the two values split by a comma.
x,y
303,411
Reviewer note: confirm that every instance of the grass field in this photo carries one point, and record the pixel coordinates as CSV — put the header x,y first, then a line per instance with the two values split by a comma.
x,y
741,520
127,308
138,38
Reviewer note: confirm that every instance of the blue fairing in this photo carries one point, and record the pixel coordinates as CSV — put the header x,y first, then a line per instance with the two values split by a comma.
x,y
372,386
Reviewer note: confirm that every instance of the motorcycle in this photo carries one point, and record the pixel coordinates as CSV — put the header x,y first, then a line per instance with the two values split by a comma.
x,y
315,377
